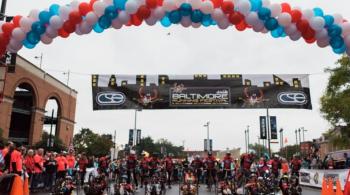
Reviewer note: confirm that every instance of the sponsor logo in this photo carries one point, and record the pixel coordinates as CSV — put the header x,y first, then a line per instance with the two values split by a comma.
x,y
292,98
316,177
110,98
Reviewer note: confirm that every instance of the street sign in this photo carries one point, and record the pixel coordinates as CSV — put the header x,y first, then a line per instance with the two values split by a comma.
x,y
263,130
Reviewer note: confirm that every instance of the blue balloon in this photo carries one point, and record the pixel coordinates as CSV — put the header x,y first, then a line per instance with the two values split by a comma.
x,y
97,28
33,38
111,12
104,22
318,11
54,9
186,9
255,5
27,44
38,28
175,17
334,30
264,13
271,24
340,50
165,21
44,17
278,32
336,42
196,16
120,4
206,21
329,20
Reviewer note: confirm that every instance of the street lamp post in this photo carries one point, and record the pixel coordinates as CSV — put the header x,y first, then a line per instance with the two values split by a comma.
x,y
245,140
41,59
248,138
50,136
281,138
304,130
208,141
135,127
3,10
299,130
296,137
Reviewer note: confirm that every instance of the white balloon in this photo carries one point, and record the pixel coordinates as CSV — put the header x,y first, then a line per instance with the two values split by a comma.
x,y
15,45
56,22
45,39
51,32
207,7
266,3
116,24
196,25
265,31
78,30
108,2
244,7
307,14
338,18
218,14
258,27
75,5
252,18
151,21
18,34
26,24
317,23
34,14
323,42
91,18
296,36
99,8
123,17
276,9
158,13
186,21
223,24
64,12
169,5
348,52
85,28
291,29
321,34
179,2
346,29
284,19
347,41
196,4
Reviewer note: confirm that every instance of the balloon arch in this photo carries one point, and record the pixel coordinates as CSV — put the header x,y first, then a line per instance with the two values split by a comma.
x,y
280,20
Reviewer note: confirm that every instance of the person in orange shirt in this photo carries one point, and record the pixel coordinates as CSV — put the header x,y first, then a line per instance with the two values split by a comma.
x,y
61,165
70,162
38,168
6,153
284,167
29,163
16,165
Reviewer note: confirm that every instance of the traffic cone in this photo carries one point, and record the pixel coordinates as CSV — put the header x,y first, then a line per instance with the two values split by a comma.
x,y
339,191
26,186
324,187
330,190
17,186
347,185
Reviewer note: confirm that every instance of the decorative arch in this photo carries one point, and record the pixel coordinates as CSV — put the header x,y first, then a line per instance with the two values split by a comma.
x,y
58,99
33,87
280,20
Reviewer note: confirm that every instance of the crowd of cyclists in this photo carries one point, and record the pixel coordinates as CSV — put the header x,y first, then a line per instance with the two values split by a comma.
x,y
61,173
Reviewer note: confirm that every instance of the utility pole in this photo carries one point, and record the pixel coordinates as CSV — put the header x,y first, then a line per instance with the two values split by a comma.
x,y
296,137
41,59
3,10
268,131
248,137
304,130
208,140
281,138
299,130
245,141
50,136
68,76
115,144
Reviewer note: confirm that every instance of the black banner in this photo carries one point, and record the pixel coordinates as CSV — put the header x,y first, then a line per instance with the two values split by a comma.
x,y
273,127
206,145
200,91
263,126
138,136
131,137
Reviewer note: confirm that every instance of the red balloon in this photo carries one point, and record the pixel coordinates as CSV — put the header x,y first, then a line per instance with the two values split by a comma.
x,y
62,33
302,25
7,28
159,2
309,33
91,4
227,7
286,7
296,15
68,26
151,3
143,12
84,8
217,3
241,26
136,21
16,20
235,18
310,41
75,17
4,40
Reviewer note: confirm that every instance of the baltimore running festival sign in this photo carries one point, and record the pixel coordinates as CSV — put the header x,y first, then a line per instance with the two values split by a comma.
x,y
200,91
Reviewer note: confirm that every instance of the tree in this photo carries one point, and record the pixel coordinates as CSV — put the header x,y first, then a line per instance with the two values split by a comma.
x,y
147,144
91,143
58,145
259,149
335,103
290,150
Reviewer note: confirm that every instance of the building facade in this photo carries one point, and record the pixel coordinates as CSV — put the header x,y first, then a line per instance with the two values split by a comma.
x,y
25,96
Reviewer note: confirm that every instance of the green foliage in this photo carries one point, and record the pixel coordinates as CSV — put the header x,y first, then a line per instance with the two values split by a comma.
x,y
338,141
91,143
147,144
259,149
335,103
288,151
58,145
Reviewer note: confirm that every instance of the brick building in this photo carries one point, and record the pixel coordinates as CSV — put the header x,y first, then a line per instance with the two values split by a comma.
x,y
25,96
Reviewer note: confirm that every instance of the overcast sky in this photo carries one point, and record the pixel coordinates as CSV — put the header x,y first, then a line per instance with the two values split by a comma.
x,y
149,50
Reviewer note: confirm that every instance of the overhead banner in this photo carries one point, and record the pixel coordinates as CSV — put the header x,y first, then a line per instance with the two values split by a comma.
x,y
273,127
200,91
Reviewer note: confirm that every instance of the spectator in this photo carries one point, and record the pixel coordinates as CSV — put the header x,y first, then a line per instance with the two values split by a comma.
x,y
61,165
38,168
347,161
16,165
50,169
82,163
29,164
305,163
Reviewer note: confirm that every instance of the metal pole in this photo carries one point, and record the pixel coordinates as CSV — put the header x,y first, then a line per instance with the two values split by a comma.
x,y
299,136
3,10
268,131
296,137
208,139
245,141
51,128
259,148
115,144
248,137
134,134
303,129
